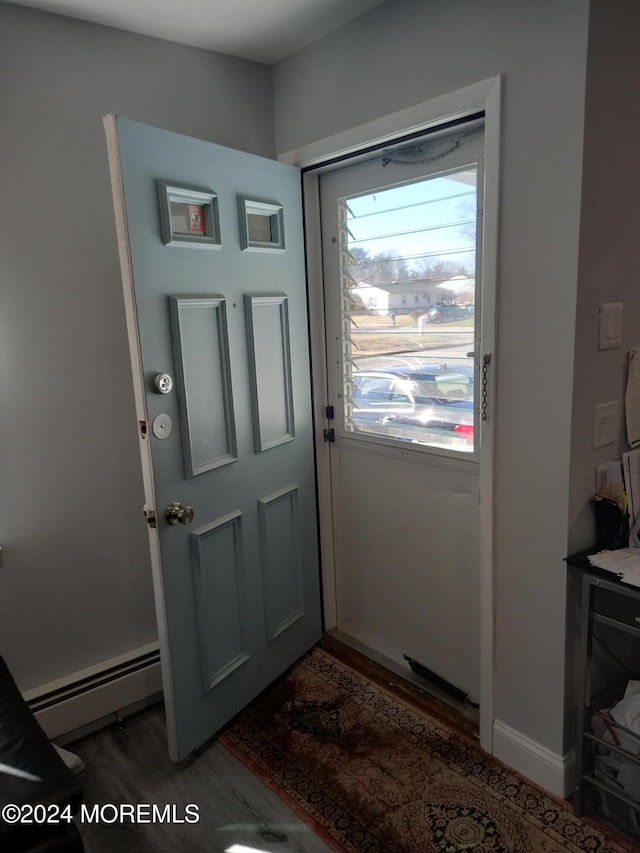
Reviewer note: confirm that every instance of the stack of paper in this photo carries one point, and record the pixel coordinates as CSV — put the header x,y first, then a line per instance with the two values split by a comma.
x,y
624,562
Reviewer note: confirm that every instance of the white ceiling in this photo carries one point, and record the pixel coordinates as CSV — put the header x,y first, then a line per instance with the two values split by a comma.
x,y
263,30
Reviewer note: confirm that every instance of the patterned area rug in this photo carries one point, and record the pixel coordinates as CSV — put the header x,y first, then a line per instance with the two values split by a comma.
x,y
370,773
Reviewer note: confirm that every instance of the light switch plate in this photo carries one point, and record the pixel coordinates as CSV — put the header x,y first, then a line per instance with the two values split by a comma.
x,y
605,423
610,335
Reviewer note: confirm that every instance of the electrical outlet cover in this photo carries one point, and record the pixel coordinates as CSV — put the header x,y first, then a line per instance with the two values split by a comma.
x,y
610,335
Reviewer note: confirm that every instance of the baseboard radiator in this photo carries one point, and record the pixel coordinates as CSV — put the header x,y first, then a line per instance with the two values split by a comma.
x,y
89,698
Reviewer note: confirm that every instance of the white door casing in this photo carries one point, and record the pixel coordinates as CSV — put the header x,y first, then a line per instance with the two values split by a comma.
x,y
320,156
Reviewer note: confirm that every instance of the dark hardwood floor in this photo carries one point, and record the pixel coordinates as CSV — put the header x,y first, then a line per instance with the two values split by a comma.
x,y
237,812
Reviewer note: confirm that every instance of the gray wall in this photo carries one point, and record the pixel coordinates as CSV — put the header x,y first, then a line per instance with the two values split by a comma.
x,y
75,588
408,51
609,241
610,225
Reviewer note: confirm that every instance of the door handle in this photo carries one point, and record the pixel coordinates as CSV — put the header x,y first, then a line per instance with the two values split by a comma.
x,y
176,513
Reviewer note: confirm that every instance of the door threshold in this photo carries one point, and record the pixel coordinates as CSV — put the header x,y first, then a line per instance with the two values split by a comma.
x,y
402,682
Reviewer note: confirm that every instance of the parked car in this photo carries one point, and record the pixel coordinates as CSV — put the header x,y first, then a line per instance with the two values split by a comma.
x,y
446,313
431,404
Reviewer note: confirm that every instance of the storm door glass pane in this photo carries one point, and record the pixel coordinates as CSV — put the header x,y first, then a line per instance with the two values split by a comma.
x,y
408,275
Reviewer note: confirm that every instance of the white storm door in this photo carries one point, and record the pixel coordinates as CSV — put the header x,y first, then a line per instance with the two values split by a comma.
x,y
213,270
401,236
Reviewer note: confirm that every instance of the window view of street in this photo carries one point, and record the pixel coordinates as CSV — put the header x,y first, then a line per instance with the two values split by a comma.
x,y
408,271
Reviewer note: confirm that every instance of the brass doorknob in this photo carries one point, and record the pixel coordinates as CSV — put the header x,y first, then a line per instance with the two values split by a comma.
x,y
176,513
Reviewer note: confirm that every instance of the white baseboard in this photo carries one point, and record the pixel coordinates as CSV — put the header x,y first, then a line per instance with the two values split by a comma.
x,y
547,769
83,698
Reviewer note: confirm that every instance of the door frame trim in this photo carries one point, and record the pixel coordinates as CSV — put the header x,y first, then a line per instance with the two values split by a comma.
x,y
137,374
314,158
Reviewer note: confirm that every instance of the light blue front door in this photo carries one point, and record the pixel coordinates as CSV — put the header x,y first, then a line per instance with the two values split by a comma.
x,y
211,250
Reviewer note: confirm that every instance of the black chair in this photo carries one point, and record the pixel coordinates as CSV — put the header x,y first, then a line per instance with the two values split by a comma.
x,y
34,778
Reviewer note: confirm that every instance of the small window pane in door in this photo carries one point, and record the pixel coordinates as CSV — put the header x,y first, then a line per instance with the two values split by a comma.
x,y
189,216
259,228
261,225
408,272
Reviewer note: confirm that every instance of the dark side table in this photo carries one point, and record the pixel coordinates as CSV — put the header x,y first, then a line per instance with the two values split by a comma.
x,y
608,657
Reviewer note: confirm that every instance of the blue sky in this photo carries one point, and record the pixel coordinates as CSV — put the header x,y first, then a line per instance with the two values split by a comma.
x,y
420,217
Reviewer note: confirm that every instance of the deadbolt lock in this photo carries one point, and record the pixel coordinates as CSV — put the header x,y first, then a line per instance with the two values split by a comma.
x,y
176,513
163,383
